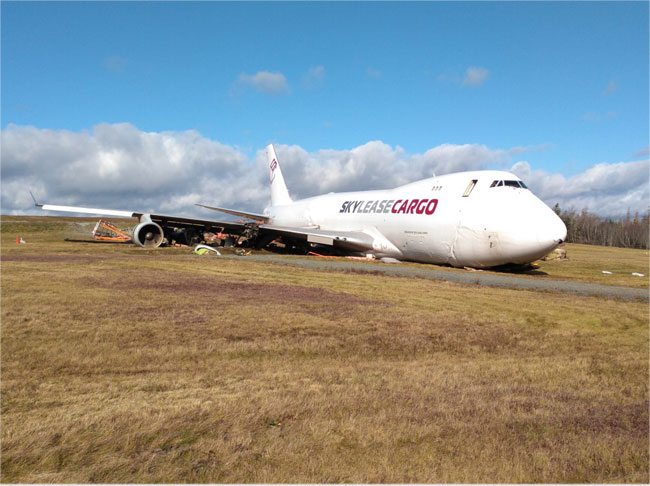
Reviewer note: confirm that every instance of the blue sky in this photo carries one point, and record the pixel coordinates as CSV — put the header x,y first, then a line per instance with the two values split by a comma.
x,y
566,81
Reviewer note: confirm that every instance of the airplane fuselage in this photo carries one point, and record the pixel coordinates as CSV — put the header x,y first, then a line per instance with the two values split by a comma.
x,y
476,219
456,219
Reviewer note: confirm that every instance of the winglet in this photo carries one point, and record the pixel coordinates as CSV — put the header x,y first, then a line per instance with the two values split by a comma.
x,y
279,193
34,199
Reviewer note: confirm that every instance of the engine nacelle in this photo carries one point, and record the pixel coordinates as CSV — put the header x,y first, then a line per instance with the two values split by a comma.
x,y
148,234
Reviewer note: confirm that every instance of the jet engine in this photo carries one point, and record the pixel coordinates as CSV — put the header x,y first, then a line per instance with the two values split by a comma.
x,y
148,234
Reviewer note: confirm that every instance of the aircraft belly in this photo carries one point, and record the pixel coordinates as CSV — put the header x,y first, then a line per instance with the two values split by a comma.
x,y
476,247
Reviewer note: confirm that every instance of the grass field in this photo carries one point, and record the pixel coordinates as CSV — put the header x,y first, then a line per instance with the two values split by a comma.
x,y
121,364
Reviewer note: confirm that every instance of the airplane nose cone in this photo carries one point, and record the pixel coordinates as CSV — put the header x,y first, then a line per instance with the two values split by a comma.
x,y
551,232
528,231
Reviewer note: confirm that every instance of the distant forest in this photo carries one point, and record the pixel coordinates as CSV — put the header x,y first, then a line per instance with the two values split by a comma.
x,y
628,232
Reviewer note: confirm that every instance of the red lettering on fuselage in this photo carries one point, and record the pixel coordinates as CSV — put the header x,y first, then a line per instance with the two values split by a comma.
x,y
421,205
414,203
401,206
430,210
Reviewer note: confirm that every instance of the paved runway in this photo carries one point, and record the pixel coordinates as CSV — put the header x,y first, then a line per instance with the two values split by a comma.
x,y
472,278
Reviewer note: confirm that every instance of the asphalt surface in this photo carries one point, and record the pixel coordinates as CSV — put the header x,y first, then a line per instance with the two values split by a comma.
x,y
471,278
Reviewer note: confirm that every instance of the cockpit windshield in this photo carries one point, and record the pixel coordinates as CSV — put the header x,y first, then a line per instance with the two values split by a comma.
x,y
509,184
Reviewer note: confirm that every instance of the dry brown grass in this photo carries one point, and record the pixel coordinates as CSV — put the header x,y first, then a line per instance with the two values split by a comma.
x,y
128,365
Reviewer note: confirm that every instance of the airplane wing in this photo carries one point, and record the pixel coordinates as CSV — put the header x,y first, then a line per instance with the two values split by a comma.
x,y
348,240
162,219
152,227
98,212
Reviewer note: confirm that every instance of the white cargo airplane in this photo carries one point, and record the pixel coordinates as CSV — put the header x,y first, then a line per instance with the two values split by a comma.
x,y
476,219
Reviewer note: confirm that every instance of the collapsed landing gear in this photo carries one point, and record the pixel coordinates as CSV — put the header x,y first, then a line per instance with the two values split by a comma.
x,y
192,237
185,236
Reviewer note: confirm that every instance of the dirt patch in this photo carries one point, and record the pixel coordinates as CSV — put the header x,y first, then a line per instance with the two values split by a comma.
x,y
615,419
201,286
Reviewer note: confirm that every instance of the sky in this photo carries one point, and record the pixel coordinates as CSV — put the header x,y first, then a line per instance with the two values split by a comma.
x,y
156,106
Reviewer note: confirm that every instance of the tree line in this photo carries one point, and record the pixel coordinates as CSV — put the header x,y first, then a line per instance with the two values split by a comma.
x,y
583,227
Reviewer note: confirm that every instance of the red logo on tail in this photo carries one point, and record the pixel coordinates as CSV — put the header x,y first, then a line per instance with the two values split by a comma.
x,y
273,166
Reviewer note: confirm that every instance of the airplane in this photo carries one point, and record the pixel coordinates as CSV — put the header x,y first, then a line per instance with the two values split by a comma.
x,y
476,219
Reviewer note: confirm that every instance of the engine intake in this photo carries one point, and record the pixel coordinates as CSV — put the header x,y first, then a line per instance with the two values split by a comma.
x,y
148,235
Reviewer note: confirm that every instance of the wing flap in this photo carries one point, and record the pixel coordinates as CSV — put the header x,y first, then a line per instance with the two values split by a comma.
x,y
211,225
243,214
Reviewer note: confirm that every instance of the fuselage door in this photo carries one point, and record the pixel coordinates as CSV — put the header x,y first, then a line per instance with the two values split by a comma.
x,y
470,187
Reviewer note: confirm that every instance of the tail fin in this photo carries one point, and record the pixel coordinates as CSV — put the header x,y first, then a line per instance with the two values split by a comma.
x,y
279,192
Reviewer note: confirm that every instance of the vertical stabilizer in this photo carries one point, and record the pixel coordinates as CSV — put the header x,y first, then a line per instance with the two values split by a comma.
x,y
279,192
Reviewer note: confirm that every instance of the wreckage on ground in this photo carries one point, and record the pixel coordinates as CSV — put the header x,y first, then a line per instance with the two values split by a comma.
x,y
467,219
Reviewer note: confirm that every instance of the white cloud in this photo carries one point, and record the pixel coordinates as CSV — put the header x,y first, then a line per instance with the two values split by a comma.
x,y
121,167
271,83
610,88
475,76
314,77
118,166
449,76
591,116
605,189
644,152
116,64
373,73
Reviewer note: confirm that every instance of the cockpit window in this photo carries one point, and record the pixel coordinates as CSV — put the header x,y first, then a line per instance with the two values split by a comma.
x,y
509,184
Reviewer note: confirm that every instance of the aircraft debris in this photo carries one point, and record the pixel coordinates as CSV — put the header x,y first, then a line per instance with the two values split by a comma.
x,y
636,274
368,256
557,254
242,252
274,423
321,256
205,250
389,260
19,239
607,272
109,232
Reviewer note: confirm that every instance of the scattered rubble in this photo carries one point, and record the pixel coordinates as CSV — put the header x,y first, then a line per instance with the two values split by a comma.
x,y
557,254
